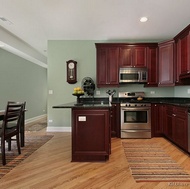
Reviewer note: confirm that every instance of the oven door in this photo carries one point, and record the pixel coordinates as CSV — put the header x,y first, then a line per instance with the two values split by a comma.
x,y
135,118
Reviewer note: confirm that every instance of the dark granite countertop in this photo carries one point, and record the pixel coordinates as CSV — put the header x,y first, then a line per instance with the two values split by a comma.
x,y
102,102
83,105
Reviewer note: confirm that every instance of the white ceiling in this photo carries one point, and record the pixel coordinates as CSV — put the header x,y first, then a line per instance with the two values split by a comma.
x,y
37,21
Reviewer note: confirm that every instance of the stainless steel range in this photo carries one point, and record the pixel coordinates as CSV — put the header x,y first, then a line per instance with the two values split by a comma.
x,y
135,115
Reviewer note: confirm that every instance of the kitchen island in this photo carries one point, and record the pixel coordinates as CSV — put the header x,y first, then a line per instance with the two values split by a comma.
x,y
91,135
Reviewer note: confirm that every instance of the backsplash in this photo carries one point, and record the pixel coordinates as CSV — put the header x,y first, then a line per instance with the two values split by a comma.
x,y
149,92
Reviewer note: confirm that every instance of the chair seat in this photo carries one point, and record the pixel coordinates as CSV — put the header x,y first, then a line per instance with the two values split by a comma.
x,y
8,130
9,125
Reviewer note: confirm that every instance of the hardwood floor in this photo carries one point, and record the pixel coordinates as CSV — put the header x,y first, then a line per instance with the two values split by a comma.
x,y
50,167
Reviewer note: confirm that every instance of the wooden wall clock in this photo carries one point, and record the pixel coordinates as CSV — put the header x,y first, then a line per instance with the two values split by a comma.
x,y
71,71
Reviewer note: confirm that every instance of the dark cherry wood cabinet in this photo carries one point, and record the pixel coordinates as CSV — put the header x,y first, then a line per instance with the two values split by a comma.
x,y
107,70
91,138
177,125
157,119
183,56
111,56
152,65
180,131
168,130
166,63
115,120
132,56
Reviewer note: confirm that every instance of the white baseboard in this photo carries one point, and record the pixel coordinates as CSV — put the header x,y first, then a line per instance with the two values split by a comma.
x,y
49,129
58,129
35,118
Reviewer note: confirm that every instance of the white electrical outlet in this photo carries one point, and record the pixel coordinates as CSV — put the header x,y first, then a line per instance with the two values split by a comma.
x,y
50,120
97,92
188,91
152,92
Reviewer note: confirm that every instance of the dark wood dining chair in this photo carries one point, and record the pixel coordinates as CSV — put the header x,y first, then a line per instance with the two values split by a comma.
x,y
22,125
11,127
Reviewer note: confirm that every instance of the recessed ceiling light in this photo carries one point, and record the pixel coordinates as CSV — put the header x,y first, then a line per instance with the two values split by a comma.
x,y
143,19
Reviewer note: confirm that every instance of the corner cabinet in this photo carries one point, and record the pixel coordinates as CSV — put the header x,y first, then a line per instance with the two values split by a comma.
x,y
183,55
166,63
107,70
91,138
177,125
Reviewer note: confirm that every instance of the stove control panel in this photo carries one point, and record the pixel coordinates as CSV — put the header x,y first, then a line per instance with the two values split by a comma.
x,y
135,105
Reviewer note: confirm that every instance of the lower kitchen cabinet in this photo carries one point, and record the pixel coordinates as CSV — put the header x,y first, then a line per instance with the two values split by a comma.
x,y
115,120
168,129
157,119
170,121
91,138
180,131
177,125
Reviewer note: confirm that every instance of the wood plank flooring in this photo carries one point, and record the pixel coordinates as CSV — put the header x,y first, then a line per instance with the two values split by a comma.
x,y
51,167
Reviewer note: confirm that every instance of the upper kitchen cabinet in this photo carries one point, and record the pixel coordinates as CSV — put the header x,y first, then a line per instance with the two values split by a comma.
x,y
166,63
152,65
107,65
183,56
132,56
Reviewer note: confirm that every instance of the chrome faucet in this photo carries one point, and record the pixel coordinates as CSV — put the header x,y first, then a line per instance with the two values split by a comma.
x,y
110,94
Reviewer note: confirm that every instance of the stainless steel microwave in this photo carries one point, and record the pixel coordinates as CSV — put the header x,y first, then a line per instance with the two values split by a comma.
x,y
133,75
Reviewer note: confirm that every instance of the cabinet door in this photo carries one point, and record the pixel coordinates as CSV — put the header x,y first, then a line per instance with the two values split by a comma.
x,y
139,57
101,66
184,62
90,134
112,66
166,64
125,57
157,119
180,131
183,50
168,131
115,120
132,56
107,66
152,65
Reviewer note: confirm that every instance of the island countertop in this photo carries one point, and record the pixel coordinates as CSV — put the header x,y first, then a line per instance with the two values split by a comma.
x,y
83,105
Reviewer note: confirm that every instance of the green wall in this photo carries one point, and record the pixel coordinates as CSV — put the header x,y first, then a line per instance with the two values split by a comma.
x,y
22,80
84,52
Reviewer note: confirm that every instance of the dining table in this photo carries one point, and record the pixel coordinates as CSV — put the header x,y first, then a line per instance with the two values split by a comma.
x,y
22,126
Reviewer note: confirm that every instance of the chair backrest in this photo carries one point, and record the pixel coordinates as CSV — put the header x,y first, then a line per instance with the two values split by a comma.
x,y
13,114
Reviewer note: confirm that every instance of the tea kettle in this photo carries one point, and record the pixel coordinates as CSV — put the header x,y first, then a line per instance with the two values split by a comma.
x,y
110,95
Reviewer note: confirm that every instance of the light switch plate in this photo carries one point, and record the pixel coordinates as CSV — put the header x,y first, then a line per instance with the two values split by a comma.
x,y
50,91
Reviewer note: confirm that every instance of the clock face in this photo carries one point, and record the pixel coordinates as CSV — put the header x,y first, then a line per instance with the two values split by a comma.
x,y
71,65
